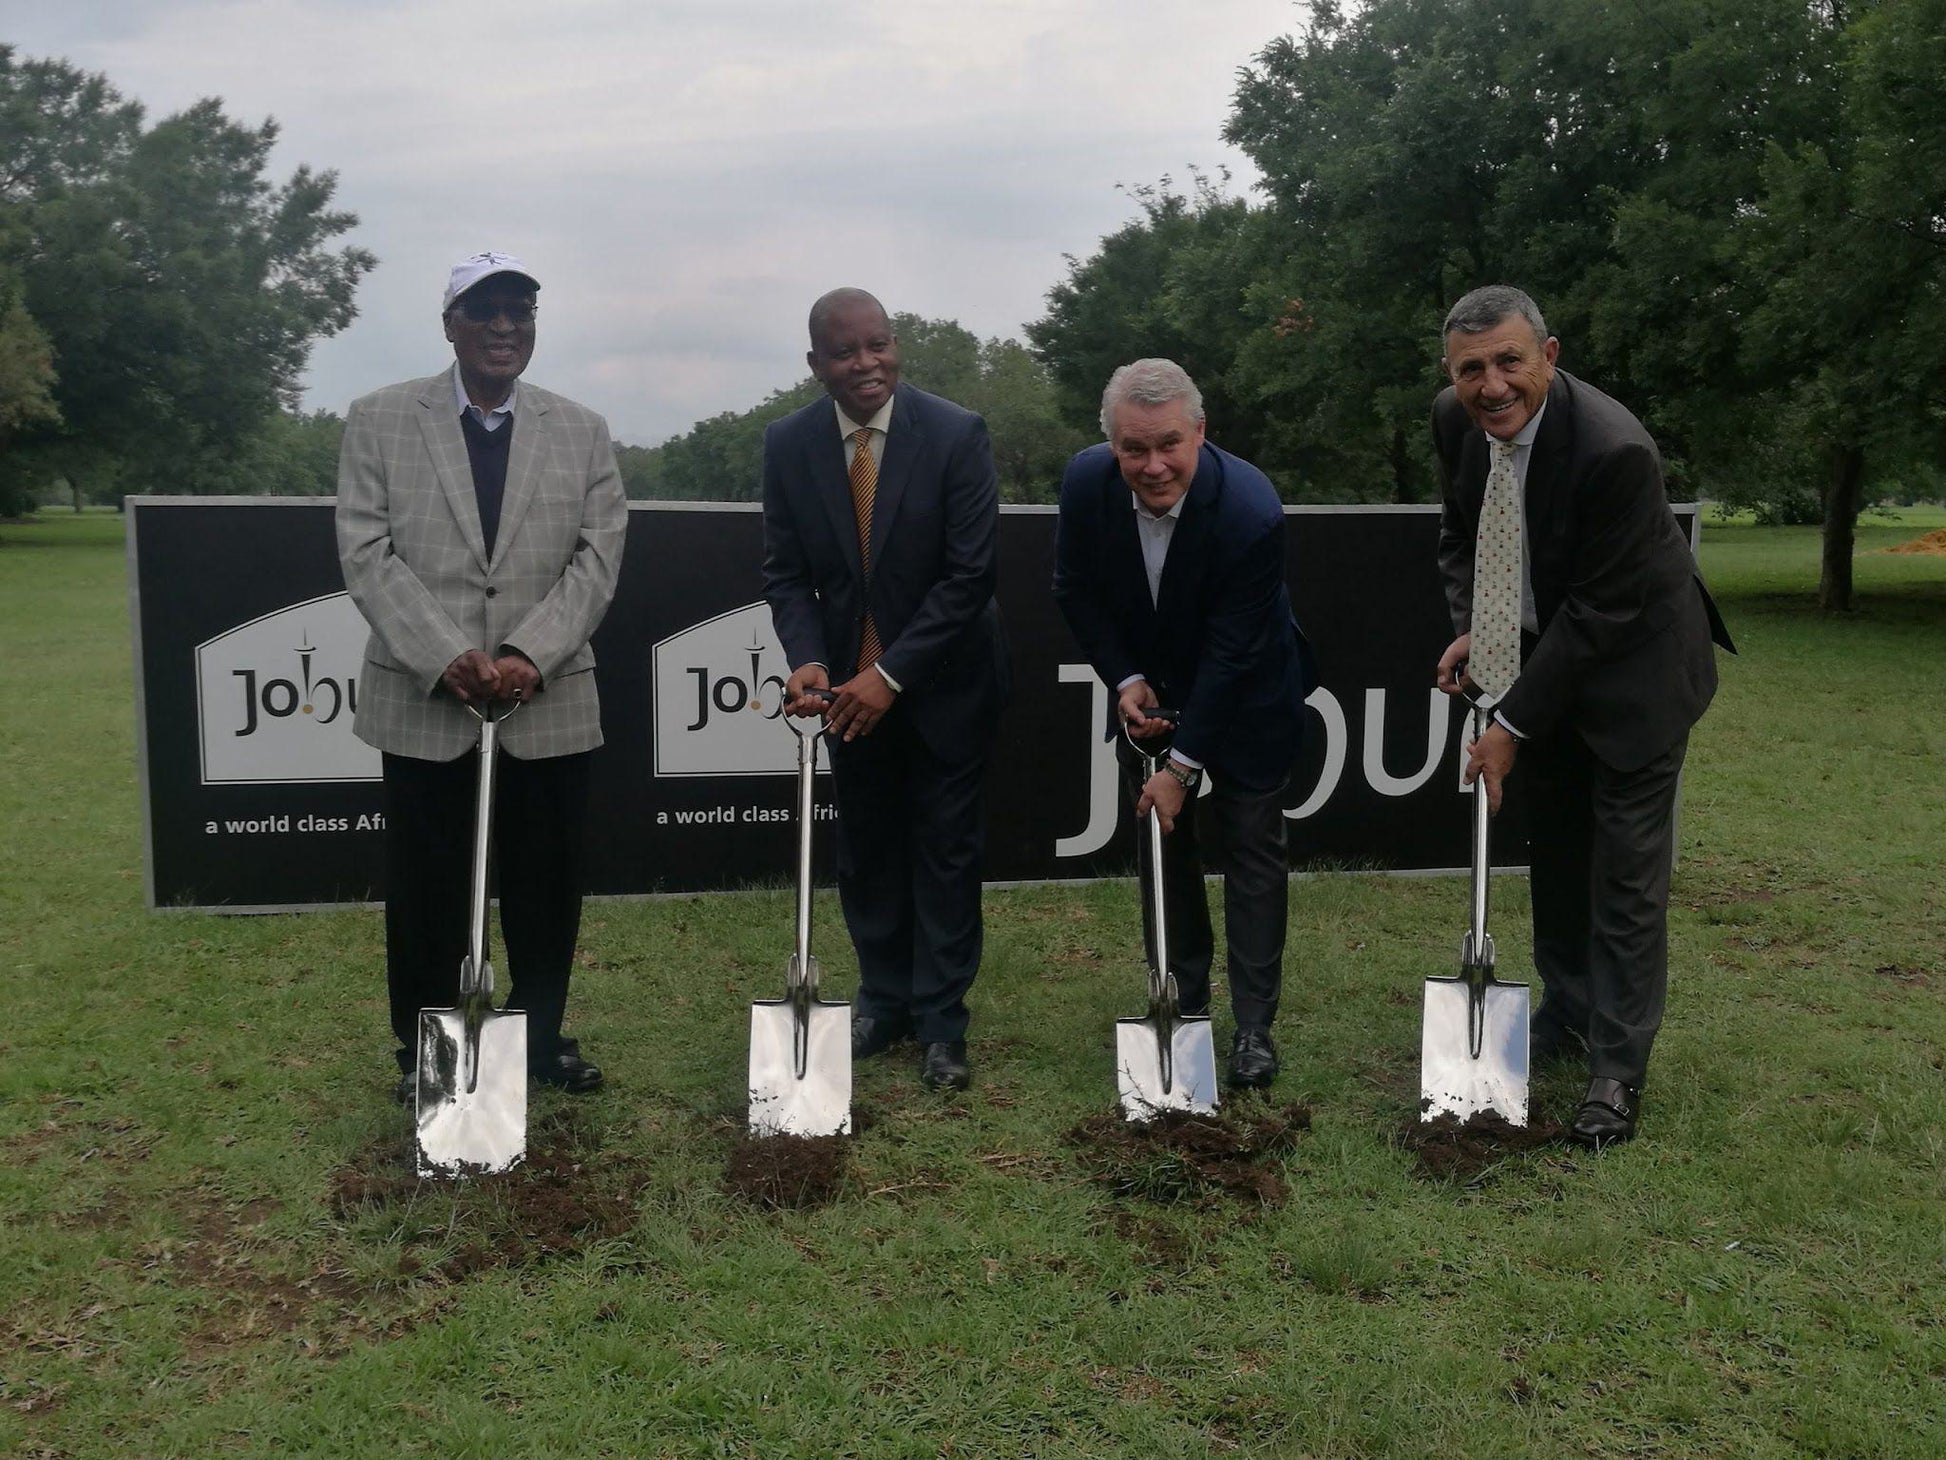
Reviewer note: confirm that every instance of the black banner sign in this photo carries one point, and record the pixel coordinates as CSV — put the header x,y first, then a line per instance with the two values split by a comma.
x,y
257,796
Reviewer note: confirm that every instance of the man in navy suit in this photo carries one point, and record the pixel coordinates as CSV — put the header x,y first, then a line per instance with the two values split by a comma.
x,y
1169,566
881,508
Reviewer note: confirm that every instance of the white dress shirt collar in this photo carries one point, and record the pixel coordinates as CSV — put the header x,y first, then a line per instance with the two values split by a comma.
x,y
490,419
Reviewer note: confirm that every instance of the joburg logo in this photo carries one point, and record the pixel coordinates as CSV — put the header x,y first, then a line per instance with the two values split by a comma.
x,y
275,697
719,699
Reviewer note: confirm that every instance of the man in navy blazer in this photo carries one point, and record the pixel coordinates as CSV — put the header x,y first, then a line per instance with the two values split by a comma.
x,y
1616,666
1169,567
881,509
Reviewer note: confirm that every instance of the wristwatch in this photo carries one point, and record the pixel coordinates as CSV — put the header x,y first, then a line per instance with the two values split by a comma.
x,y
1188,777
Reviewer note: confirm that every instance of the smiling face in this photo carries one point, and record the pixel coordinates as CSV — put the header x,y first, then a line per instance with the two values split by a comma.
x,y
1157,448
1501,374
855,357
491,327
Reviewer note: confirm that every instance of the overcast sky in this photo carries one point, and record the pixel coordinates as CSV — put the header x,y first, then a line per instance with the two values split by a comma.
x,y
685,176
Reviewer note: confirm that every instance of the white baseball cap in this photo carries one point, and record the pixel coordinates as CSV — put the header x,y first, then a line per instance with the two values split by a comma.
x,y
476,268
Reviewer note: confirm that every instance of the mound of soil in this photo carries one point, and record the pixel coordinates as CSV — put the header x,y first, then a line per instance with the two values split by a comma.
x,y
1235,1152
559,1200
1932,544
788,1173
1451,1149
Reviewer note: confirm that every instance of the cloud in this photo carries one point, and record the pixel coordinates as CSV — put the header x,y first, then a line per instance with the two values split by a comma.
x,y
687,176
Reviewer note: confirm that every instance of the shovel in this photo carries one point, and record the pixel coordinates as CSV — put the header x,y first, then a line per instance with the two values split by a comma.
x,y
472,1094
1164,1060
800,1045
1473,1041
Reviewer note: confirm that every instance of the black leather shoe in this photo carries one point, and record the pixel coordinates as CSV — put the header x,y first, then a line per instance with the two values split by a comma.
x,y
875,1033
1253,1057
406,1092
567,1071
1608,1113
942,1065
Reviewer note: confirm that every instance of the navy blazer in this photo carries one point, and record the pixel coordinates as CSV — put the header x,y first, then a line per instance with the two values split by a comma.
x,y
1623,656
935,519
1221,645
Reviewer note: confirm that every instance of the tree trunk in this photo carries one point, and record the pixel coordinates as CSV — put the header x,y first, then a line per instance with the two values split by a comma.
x,y
1841,504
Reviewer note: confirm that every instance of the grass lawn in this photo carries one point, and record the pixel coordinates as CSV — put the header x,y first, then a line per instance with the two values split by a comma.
x,y
205,1246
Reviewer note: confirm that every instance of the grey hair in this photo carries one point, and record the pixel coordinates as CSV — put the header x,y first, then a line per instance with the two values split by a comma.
x,y
1487,306
1152,382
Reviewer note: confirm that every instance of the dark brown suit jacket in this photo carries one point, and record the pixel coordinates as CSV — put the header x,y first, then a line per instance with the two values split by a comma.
x,y
1623,657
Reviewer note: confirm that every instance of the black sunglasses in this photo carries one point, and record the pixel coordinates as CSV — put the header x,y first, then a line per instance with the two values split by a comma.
x,y
483,309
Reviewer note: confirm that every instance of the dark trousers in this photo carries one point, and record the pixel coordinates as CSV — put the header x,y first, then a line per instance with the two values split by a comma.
x,y
910,840
540,812
1603,842
1248,827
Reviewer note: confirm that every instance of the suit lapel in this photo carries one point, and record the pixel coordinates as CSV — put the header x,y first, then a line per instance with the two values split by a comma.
x,y
446,445
903,445
1189,543
524,458
830,456
1547,467
1122,542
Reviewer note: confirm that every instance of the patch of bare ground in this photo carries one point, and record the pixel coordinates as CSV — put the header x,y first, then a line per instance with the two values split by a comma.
x,y
788,1173
562,1198
1931,544
1464,1151
1235,1152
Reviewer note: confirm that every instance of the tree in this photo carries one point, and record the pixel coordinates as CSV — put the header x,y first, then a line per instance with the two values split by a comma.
x,y
721,459
179,291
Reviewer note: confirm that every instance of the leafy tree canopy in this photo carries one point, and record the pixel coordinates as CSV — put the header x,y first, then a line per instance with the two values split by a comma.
x,y
169,292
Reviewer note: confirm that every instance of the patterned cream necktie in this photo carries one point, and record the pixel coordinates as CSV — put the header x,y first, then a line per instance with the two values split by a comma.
x,y
864,491
1493,659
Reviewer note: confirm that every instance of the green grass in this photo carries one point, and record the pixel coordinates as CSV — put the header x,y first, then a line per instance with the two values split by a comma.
x,y
1760,1275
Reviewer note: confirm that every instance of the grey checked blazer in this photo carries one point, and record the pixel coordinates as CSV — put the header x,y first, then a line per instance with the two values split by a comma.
x,y
414,559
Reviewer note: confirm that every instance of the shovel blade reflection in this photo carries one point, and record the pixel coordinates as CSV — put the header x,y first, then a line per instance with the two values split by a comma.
x,y
1139,1075
781,1102
462,1131
1452,1079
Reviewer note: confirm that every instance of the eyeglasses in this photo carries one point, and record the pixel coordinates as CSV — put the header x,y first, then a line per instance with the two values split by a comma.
x,y
485,309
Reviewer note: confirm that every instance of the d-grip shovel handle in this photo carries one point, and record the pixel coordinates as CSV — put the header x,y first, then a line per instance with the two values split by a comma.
x,y
1162,984
475,978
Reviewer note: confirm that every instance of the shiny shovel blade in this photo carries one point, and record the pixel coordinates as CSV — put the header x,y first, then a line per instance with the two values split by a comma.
x,y
781,1102
1138,1067
477,1131
1452,1080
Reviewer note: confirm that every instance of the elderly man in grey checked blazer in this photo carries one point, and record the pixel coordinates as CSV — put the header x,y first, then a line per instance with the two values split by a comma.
x,y
480,528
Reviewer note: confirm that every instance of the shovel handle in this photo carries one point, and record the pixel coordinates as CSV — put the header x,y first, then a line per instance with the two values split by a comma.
x,y
806,727
1152,750
1479,946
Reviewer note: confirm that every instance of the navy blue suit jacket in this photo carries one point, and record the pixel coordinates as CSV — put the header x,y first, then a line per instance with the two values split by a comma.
x,y
1221,646
935,520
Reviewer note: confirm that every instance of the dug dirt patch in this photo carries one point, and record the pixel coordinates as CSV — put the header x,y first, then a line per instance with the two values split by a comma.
x,y
562,1198
1236,1152
788,1173
1451,1149
1932,544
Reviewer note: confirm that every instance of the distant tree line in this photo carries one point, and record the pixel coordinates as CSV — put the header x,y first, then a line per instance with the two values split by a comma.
x,y
158,296
721,459
1732,211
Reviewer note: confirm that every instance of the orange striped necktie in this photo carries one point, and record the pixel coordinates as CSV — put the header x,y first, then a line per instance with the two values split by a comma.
x,y
864,491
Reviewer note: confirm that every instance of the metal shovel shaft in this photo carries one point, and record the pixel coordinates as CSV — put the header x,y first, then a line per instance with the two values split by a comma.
x,y
807,761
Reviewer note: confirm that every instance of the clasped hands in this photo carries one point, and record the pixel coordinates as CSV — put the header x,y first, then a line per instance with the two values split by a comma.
x,y
476,677
1492,755
856,709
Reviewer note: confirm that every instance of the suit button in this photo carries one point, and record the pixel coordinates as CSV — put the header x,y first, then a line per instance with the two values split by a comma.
x,y
492,591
